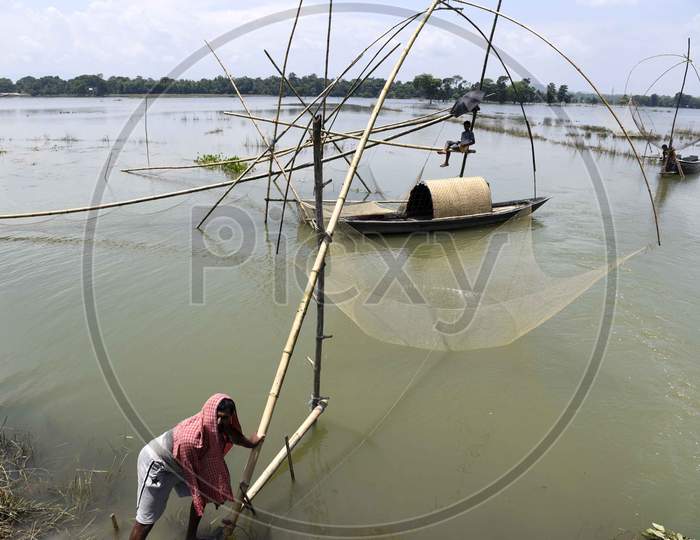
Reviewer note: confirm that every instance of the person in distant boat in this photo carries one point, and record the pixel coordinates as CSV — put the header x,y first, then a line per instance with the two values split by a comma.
x,y
190,459
668,155
462,145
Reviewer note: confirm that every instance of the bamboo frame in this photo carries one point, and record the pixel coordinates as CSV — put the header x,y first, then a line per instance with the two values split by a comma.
x,y
321,282
680,97
288,150
301,100
279,108
199,189
281,456
270,146
320,258
339,136
595,89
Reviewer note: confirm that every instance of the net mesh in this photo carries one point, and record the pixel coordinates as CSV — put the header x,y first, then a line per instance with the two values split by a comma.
x,y
450,292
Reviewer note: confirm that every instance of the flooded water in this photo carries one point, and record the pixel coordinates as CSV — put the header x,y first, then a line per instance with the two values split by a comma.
x,y
408,431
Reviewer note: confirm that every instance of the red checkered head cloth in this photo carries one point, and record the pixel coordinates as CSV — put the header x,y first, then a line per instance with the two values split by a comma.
x,y
199,448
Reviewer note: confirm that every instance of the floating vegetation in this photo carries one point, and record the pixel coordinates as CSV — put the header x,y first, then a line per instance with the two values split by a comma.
x,y
594,129
659,532
515,132
232,166
214,131
687,133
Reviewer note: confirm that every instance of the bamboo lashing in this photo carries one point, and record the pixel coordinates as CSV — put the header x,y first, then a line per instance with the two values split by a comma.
x,y
320,258
595,89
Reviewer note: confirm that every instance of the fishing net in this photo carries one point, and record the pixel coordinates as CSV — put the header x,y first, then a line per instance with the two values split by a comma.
x,y
449,292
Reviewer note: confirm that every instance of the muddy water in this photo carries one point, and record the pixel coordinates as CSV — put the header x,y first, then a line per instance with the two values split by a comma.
x,y
408,431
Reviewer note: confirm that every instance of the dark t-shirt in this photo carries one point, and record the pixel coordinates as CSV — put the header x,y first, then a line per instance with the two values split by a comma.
x,y
467,138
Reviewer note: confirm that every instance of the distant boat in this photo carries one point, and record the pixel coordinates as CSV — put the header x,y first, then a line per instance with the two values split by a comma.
x,y
688,165
12,94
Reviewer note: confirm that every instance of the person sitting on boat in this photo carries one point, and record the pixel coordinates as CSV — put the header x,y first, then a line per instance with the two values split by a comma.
x,y
461,146
190,459
668,155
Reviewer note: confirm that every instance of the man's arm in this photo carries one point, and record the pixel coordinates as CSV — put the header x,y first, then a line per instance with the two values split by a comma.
x,y
242,440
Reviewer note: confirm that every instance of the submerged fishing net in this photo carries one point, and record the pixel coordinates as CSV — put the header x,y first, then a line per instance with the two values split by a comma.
x,y
449,292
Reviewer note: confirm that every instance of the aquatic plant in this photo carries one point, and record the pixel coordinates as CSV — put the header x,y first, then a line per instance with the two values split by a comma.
x,y
31,506
232,165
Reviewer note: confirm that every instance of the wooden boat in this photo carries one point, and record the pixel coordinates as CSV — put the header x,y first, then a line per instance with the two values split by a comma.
x,y
443,205
689,165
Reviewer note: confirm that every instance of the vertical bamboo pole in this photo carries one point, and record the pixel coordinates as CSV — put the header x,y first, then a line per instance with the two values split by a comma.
x,y
483,74
320,257
595,89
145,128
680,96
279,108
328,53
320,285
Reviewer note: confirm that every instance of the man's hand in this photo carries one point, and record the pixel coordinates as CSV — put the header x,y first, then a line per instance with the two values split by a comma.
x,y
256,440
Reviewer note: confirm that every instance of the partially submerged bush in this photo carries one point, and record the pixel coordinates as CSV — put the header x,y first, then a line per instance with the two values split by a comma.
x,y
232,166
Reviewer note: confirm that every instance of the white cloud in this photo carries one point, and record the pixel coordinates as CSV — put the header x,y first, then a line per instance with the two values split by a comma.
x,y
133,37
607,3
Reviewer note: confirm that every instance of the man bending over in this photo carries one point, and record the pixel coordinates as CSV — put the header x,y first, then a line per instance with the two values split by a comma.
x,y
190,459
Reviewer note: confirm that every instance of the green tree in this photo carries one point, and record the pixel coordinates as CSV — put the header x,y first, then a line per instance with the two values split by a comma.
x,y
501,94
551,95
563,94
427,86
6,85
87,85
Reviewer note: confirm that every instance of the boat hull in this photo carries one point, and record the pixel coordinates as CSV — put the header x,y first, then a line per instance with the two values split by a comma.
x,y
689,167
386,225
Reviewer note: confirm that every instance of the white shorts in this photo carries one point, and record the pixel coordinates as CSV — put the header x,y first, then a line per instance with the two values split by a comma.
x,y
156,481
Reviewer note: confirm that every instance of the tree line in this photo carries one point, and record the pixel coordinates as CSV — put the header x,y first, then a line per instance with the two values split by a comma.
x,y
422,86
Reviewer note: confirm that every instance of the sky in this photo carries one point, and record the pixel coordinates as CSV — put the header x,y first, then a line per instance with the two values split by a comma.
x,y
606,38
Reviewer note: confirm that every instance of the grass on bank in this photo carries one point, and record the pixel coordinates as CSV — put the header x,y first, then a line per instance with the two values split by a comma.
x,y
232,166
32,506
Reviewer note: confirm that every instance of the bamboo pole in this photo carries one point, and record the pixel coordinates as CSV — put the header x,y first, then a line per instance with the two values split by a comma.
x,y
320,258
595,89
340,136
145,128
489,46
321,283
282,454
289,150
680,97
301,100
270,146
279,106
199,189
328,53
